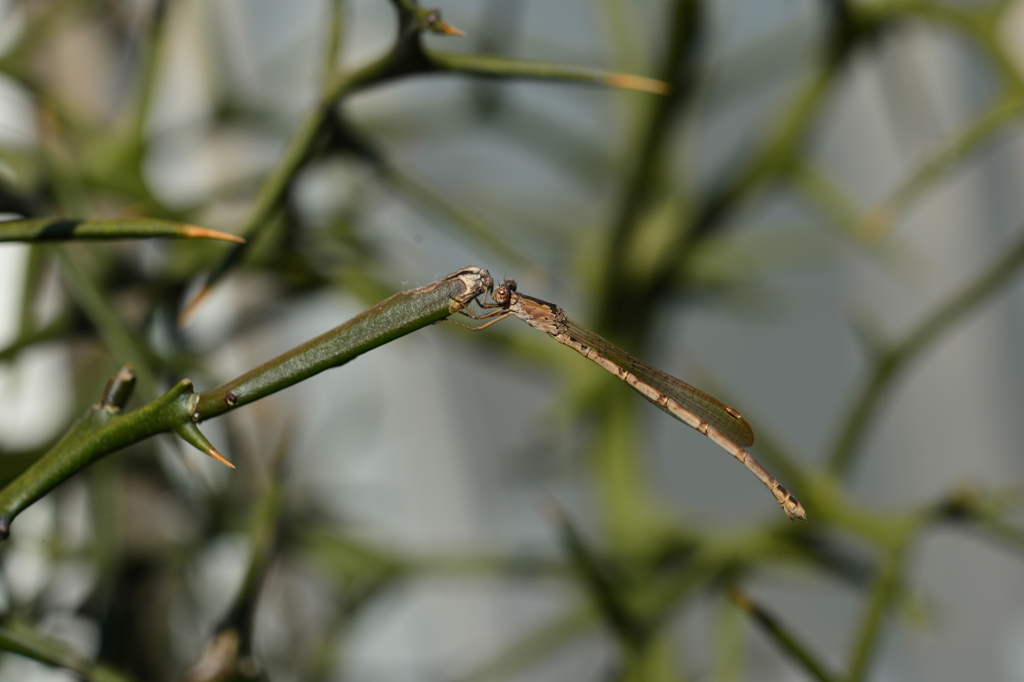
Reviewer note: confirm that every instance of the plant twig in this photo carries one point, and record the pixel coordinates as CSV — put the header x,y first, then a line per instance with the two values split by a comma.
x,y
782,636
386,321
893,362
20,639
406,57
104,429
878,604
67,229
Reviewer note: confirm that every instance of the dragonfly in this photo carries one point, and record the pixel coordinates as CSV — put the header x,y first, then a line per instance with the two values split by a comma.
x,y
719,422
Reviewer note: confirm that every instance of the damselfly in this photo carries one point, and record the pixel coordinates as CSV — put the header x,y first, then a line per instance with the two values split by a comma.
x,y
719,422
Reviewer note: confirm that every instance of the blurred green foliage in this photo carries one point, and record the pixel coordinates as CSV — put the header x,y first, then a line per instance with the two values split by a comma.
x,y
91,73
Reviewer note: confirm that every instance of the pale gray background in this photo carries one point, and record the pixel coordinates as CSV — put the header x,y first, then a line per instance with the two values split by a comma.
x,y
791,363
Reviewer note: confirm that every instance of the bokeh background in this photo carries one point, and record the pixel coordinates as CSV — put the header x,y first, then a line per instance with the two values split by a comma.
x,y
828,201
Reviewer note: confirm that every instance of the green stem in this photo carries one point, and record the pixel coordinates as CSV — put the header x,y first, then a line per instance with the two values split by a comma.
x,y
121,341
19,639
101,431
607,594
954,152
75,229
891,364
886,585
405,58
386,321
104,429
782,636
678,69
489,66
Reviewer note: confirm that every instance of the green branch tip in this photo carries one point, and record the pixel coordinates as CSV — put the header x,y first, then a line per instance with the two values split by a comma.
x,y
436,25
75,229
444,28
491,66
191,434
418,19
119,389
188,313
877,223
219,660
627,81
195,232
